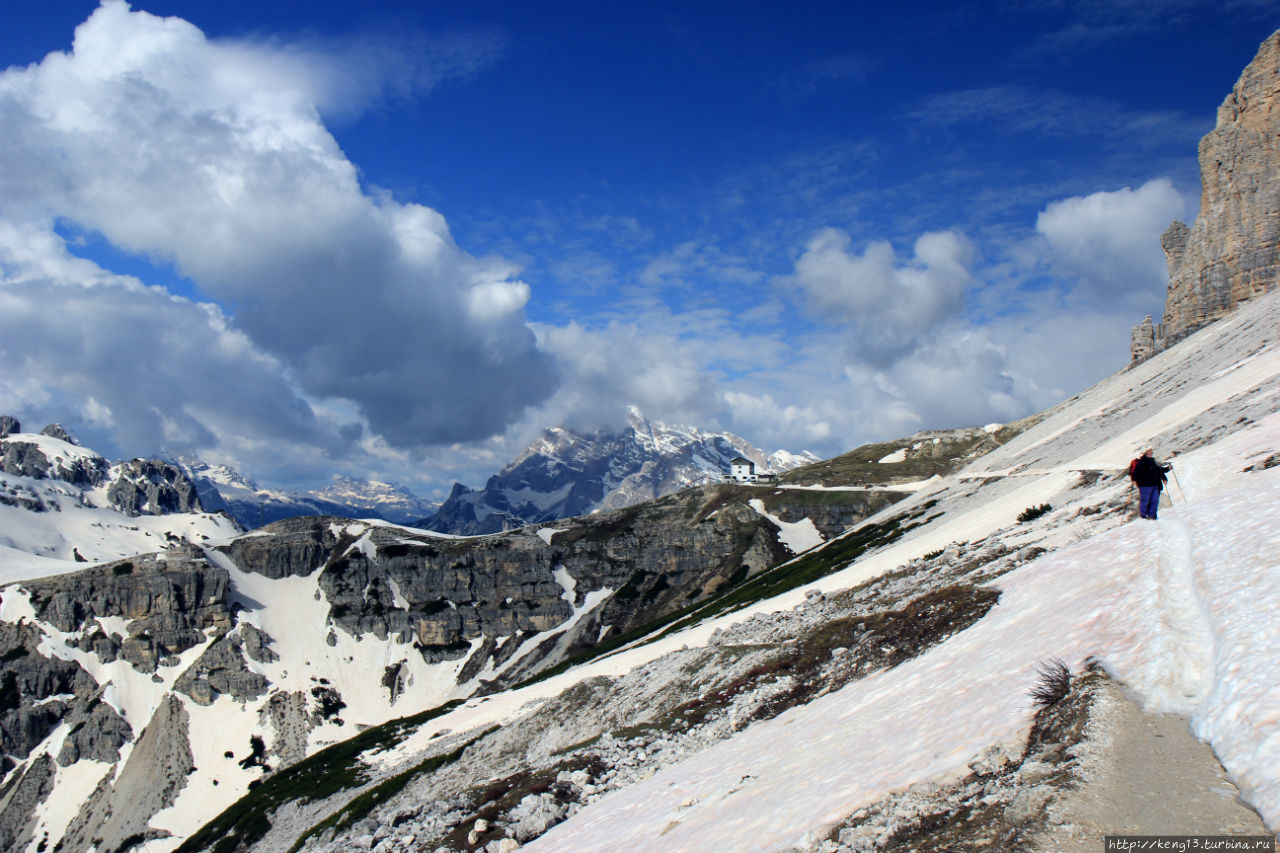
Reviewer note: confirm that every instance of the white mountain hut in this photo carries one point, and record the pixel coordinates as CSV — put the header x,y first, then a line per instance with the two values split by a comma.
x,y
742,470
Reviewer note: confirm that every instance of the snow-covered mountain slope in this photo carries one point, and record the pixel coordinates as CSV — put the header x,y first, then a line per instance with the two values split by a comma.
x,y
898,655
223,488
244,656
564,473
62,505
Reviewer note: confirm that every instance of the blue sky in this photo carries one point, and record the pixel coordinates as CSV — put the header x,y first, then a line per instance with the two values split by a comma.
x,y
395,240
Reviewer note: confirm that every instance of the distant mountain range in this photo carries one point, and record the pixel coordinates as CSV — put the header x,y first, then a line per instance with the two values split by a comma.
x,y
565,473
222,488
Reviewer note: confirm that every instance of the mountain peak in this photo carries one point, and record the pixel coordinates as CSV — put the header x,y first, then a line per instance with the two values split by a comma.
x,y
565,473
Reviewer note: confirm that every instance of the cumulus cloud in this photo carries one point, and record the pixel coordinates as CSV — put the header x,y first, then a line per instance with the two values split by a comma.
x,y
1110,241
623,364
136,364
212,156
799,427
888,308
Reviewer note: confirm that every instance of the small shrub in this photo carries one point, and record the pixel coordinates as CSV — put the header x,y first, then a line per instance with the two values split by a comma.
x,y
1031,513
257,754
933,555
329,701
1054,682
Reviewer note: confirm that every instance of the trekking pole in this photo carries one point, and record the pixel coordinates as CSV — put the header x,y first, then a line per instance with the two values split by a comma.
x,y
1176,483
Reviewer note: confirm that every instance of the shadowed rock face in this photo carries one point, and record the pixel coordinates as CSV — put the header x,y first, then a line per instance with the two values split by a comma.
x,y
36,692
1232,252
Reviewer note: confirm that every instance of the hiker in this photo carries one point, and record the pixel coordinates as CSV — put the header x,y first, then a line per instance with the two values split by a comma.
x,y
1148,475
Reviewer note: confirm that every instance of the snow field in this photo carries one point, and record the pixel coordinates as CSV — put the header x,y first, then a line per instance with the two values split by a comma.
x,y
74,785
1182,610
1108,598
213,731
39,544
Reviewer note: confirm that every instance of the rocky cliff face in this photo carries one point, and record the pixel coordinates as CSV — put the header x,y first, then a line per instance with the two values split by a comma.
x,y
444,596
565,473
154,487
1232,252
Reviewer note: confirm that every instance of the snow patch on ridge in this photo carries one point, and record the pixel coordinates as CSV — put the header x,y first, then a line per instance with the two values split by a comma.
x,y
798,536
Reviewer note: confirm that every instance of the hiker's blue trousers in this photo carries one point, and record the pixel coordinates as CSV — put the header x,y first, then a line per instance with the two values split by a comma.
x,y
1148,501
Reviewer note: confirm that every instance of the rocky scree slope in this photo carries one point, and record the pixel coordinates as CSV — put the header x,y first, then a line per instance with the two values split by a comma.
x,y
62,504
205,669
564,473
738,725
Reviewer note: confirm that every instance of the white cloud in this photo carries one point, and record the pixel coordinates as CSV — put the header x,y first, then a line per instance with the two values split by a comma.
x,y
1110,241
622,364
211,155
888,309
136,364
777,424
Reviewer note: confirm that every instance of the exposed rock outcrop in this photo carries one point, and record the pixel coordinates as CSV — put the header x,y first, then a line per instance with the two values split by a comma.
x,y
152,487
169,602
19,797
28,459
9,425
222,669
97,733
36,692
444,593
116,816
59,432
1232,252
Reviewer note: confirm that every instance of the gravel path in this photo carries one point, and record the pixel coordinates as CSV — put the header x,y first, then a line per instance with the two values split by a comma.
x,y
1145,775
